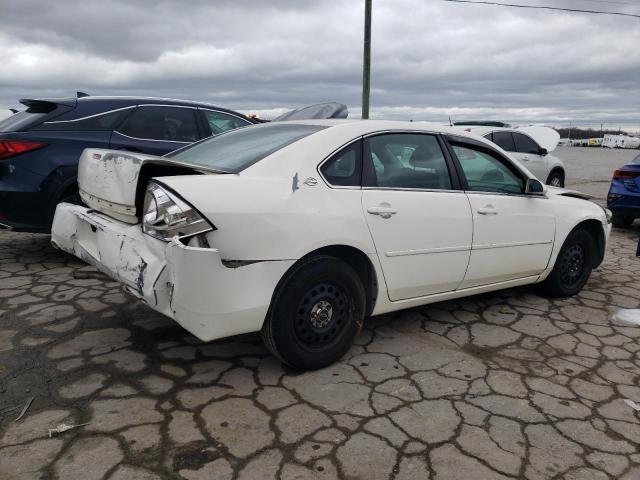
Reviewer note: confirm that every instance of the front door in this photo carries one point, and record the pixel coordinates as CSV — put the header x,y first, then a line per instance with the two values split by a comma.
x,y
528,152
418,217
513,233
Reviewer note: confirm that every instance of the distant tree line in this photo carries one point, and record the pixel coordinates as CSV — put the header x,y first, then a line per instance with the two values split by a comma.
x,y
583,133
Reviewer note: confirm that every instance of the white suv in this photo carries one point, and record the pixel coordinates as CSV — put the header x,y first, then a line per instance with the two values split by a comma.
x,y
529,145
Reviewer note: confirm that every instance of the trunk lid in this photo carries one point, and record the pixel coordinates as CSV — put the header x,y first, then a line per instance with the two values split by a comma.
x,y
113,181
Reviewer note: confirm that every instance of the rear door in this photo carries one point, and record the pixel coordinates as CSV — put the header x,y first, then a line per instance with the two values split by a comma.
x,y
418,217
157,129
513,233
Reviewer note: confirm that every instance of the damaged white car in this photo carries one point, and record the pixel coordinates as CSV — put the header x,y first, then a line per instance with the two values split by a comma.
x,y
300,230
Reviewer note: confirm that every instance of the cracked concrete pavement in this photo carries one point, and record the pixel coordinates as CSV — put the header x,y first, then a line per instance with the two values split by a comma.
x,y
503,385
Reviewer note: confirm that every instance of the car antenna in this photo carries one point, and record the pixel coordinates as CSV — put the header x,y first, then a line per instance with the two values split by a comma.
x,y
82,94
450,124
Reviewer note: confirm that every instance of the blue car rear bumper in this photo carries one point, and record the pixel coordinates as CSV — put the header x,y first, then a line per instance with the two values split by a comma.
x,y
623,201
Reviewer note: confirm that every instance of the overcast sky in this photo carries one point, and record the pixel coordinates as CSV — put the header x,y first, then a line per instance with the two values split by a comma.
x,y
430,58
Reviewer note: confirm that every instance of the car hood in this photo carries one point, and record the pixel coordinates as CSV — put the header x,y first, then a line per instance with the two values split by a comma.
x,y
564,192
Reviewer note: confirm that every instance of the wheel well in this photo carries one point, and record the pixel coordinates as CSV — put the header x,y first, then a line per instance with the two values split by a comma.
x,y
360,262
69,189
594,227
559,170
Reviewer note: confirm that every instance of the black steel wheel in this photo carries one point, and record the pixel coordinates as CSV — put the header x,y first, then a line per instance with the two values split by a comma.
x,y
573,265
315,314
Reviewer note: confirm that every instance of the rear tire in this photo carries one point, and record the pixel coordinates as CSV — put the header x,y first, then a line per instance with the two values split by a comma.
x,y
315,314
573,265
622,221
556,179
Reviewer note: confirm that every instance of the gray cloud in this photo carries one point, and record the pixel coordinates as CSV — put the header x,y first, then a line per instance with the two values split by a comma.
x,y
431,59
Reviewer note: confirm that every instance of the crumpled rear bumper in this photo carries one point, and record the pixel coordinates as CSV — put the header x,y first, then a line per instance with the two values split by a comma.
x,y
189,284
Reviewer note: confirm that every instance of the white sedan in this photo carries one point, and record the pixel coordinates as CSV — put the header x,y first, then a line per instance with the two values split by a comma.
x,y
300,230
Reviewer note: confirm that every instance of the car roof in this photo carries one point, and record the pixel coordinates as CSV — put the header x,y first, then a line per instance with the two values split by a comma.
x,y
483,130
91,105
364,127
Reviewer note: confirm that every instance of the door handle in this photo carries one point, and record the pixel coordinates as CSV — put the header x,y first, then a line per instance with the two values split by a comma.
x,y
487,210
384,210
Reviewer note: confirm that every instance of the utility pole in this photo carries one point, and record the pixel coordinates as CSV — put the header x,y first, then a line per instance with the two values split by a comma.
x,y
366,64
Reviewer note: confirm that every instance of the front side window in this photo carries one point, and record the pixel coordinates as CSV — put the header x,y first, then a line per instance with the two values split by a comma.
x,y
236,150
345,167
171,124
525,144
486,172
220,122
407,160
504,140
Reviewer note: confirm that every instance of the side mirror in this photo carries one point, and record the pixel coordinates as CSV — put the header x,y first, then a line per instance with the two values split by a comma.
x,y
535,187
543,151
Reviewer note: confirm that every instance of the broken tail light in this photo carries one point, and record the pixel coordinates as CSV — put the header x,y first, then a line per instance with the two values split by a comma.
x,y
165,216
11,148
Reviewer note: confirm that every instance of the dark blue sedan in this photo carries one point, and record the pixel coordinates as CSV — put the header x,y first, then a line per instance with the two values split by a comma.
x,y
624,194
40,146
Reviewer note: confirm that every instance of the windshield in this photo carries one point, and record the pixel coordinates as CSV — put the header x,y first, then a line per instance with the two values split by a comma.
x,y
238,149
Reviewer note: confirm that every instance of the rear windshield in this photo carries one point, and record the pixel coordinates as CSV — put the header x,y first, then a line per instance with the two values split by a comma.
x,y
20,120
238,149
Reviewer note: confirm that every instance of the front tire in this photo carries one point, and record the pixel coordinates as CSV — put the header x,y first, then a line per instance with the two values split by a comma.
x,y
621,221
573,265
315,314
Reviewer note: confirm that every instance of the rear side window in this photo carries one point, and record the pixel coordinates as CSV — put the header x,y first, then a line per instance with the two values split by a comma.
x,y
236,150
106,121
524,144
171,124
407,160
504,140
220,122
37,111
345,167
18,121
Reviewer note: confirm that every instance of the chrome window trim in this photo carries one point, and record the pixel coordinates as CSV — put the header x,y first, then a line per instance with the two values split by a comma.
x,y
152,139
90,116
225,113
404,189
503,194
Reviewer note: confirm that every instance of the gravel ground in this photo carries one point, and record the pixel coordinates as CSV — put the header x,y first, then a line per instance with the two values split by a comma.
x,y
503,385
